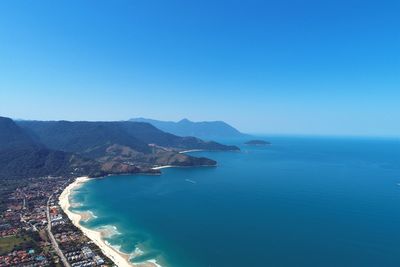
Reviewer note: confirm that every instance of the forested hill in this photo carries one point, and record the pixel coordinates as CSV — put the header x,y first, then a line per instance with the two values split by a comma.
x,y
21,156
12,136
41,148
92,138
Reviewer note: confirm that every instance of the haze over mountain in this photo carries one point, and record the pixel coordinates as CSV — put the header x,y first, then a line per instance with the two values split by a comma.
x,y
205,130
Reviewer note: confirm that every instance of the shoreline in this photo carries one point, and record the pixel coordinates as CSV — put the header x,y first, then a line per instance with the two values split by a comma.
x,y
174,166
120,259
162,167
191,150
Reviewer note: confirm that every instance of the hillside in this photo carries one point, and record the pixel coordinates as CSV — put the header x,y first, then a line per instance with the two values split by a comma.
x,y
92,139
12,136
148,134
94,148
87,138
207,130
21,156
37,148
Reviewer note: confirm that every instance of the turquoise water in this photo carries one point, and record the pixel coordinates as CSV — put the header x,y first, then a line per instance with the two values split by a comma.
x,y
300,202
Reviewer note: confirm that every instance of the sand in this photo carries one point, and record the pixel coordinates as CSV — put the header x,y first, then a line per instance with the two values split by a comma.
x,y
119,259
191,150
163,167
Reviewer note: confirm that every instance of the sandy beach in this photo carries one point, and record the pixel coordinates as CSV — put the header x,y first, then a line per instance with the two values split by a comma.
x,y
173,166
162,167
191,150
120,259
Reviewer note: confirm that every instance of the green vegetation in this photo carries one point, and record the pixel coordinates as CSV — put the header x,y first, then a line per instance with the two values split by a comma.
x,y
92,138
7,186
24,241
61,148
7,244
21,156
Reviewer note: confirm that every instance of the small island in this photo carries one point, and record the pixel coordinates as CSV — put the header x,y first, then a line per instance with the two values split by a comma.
x,y
257,143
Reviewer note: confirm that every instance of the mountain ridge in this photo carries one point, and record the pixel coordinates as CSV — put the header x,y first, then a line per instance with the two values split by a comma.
x,y
22,156
80,136
93,148
204,129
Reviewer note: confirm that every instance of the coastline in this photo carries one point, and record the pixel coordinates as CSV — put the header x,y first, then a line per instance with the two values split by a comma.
x,y
120,259
162,167
174,166
191,150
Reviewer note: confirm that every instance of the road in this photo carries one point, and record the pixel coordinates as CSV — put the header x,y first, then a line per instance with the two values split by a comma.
x,y
52,239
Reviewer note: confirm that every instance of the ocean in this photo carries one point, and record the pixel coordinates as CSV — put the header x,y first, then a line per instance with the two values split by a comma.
x,y
302,201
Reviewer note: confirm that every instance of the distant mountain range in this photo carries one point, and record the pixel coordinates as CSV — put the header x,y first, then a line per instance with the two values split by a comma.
x,y
40,148
205,130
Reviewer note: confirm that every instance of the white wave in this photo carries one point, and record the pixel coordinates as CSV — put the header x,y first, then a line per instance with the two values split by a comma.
x,y
94,216
108,231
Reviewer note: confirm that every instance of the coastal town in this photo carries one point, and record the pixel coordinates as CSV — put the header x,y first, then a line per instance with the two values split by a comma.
x,y
35,231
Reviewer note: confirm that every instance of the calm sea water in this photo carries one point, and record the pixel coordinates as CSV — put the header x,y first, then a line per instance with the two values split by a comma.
x,y
300,202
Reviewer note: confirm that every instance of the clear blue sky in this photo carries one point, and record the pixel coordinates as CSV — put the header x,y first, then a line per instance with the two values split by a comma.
x,y
287,66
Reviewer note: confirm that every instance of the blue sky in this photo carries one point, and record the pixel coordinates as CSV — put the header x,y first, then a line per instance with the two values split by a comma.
x,y
296,67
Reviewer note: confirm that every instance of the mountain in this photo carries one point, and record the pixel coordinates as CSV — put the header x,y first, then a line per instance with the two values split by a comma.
x,y
12,136
22,156
92,139
205,130
42,148
120,147
87,138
